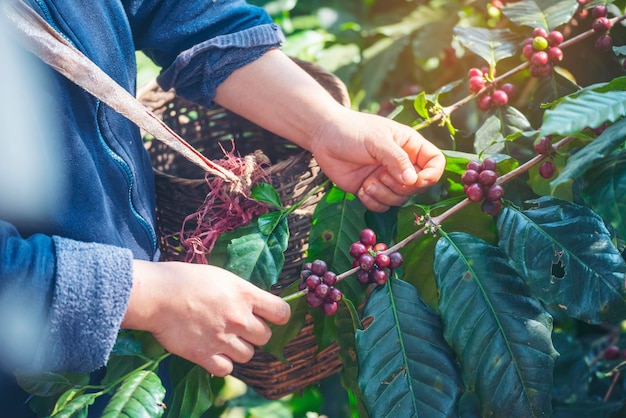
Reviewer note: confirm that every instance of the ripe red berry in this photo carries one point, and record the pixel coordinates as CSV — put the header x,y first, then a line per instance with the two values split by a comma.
x,y
601,25
469,177
319,267
380,246
313,281
547,169
494,192
555,54
395,260
305,273
474,192
329,278
382,260
489,164
543,145
313,300
539,31
528,51
367,237
322,290
476,83
599,11
499,98
487,177
539,58
604,43
473,165
491,207
357,249
612,352
484,102
363,277
474,72
555,38
379,277
366,262
329,308
334,295
508,88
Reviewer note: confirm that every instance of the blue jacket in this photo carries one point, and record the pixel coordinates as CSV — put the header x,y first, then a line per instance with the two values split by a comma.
x,y
65,277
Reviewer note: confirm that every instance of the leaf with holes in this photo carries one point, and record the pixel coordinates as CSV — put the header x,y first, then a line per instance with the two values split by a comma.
x,y
501,334
406,369
492,45
140,395
604,191
565,254
547,14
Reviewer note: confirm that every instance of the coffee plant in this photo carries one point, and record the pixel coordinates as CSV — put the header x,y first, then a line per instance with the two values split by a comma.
x,y
500,292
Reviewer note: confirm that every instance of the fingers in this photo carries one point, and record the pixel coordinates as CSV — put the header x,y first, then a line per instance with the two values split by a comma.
x,y
272,308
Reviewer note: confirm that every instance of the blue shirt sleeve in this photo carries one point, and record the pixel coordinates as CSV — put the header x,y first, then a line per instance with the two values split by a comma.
x,y
200,43
51,317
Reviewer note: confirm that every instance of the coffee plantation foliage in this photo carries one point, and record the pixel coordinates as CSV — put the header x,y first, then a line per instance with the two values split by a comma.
x,y
511,309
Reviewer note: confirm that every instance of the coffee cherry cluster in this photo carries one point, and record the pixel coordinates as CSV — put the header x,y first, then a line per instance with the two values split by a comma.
x,y
479,184
601,26
543,52
543,146
374,265
320,282
498,97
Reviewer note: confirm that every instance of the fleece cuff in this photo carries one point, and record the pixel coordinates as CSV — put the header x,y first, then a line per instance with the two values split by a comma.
x,y
92,288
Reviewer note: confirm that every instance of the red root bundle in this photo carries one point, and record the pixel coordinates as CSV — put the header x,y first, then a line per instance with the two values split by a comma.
x,y
226,206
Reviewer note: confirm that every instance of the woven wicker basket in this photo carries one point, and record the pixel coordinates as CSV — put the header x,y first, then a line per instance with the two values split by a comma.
x,y
181,189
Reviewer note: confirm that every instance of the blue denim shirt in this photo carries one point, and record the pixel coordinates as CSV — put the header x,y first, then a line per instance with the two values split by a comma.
x,y
73,270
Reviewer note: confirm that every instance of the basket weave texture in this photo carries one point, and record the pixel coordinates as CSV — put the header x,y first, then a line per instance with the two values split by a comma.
x,y
181,189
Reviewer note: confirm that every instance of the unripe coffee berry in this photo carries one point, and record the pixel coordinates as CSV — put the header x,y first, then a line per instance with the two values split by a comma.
x,y
540,43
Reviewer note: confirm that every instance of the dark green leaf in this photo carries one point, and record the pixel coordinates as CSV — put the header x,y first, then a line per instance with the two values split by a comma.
x,y
588,108
258,257
548,90
406,369
604,191
565,254
127,345
492,45
49,384
140,396
192,391
547,14
595,152
269,221
337,222
500,333
265,193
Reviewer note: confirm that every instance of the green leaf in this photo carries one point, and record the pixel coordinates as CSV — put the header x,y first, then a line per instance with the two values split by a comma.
x,y
579,163
140,395
500,333
75,408
258,256
126,345
547,14
192,391
588,108
419,104
549,89
491,136
268,222
604,191
492,45
264,192
406,367
565,254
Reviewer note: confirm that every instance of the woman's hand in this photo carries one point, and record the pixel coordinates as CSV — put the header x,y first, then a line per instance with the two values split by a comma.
x,y
202,313
383,161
